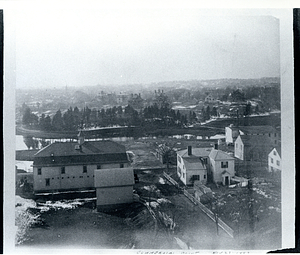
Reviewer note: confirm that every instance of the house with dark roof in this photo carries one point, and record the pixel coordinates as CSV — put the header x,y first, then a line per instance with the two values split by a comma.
x,y
252,148
191,165
221,166
274,160
204,164
63,166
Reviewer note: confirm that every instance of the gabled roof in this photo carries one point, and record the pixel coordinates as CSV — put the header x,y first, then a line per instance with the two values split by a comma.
x,y
278,149
254,129
193,164
114,177
196,152
256,140
225,173
87,148
26,155
220,155
257,129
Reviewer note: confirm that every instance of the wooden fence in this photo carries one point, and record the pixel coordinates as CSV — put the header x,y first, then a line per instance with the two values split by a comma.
x,y
208,212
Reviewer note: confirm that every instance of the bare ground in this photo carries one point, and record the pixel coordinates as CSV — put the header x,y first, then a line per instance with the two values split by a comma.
x,y
84,227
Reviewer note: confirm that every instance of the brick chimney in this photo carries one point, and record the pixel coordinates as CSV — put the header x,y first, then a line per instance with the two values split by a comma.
x,y
189,150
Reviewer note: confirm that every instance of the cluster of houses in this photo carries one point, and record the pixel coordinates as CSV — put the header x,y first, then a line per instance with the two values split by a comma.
x,y
251,143
205,165
104,165
256,143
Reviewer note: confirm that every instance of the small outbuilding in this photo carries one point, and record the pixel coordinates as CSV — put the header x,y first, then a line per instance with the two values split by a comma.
x,y
114,187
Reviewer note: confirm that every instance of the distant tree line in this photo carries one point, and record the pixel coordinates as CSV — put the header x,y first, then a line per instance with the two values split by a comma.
x,y
150,117
268,95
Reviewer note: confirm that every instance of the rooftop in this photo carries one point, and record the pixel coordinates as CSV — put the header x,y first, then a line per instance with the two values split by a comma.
x,y
219,155
196,152
194,163
256,140
25,155
87,148
114,177
257,129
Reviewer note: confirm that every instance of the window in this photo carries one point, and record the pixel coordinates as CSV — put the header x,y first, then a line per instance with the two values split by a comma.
x,y
98,166
121,165
269,135
275,134
179,159
204,176
178,170
85,169
196,177
272,160
278,162
39,171
47,181
224,164
274,152
63,170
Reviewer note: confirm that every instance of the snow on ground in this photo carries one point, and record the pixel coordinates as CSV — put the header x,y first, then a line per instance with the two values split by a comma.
x,y
70,204
25,165
181,244
163,201
259,191
23,218
161,180
150,188
26,218
153,204
217,136
23,204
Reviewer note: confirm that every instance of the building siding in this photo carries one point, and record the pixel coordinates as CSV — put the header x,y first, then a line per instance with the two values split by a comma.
x,y
186,174
217,169
239,148
272,162
114,195
73,178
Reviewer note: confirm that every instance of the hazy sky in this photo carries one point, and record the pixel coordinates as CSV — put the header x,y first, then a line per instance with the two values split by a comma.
x,y
83,47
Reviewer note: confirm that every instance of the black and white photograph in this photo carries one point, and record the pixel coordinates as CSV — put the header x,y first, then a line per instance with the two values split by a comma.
x,y
149,129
